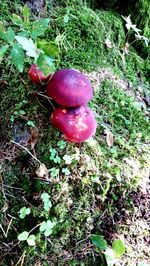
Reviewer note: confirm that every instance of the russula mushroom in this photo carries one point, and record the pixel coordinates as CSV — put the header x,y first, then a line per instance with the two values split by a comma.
x,y
77,124
70,88
37,76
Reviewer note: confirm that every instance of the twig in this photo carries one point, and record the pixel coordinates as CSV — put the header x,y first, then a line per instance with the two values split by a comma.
x,y
23,81
82,240
11,216
8,227
8,194
8,252
34,228
27,201
45,96
27,151
21,259
3,230
39,102
12,187
51,104
48,98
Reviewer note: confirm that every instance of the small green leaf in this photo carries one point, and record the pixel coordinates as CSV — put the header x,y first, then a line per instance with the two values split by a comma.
x,y
39,27
17,55
43,226
46,228
49,48
31,123
66,171
12,118
23,236
17,20
53,151
31,240
3,50
61,144
50,224
66,18
99,241
10,35
2,31
57,159
45,196
21,112
47,205
23,212
28,45
26,11
67,159
54,171
48,232
119,247
45,63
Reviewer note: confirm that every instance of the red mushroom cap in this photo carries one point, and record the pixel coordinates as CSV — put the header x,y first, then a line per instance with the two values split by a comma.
x,y
78,124
37,76
69,87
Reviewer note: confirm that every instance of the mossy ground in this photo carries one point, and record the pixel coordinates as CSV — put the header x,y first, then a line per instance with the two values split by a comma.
x,y
106,191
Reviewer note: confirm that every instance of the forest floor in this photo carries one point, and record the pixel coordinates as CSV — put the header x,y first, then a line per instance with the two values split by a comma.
x,y
98,188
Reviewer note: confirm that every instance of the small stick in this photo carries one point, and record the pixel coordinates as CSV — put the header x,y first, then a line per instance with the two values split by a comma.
x,y
21,259
48,98
34,228
9,226
51,104
27,151
45,96
6,233
23,82
39,102
12,187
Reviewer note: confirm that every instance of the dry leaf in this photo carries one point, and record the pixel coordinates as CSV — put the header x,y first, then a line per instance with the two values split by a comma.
x,y
42,172
34,137
2,83
5,207
108,43
109,138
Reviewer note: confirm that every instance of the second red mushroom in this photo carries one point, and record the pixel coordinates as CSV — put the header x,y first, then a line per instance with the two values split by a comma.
x,y
78,124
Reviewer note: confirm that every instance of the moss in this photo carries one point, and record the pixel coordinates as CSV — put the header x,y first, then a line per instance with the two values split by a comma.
x,y
85,34
83,42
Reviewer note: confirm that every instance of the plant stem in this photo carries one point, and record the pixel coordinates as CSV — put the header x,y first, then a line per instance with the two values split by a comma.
x,y
34,228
